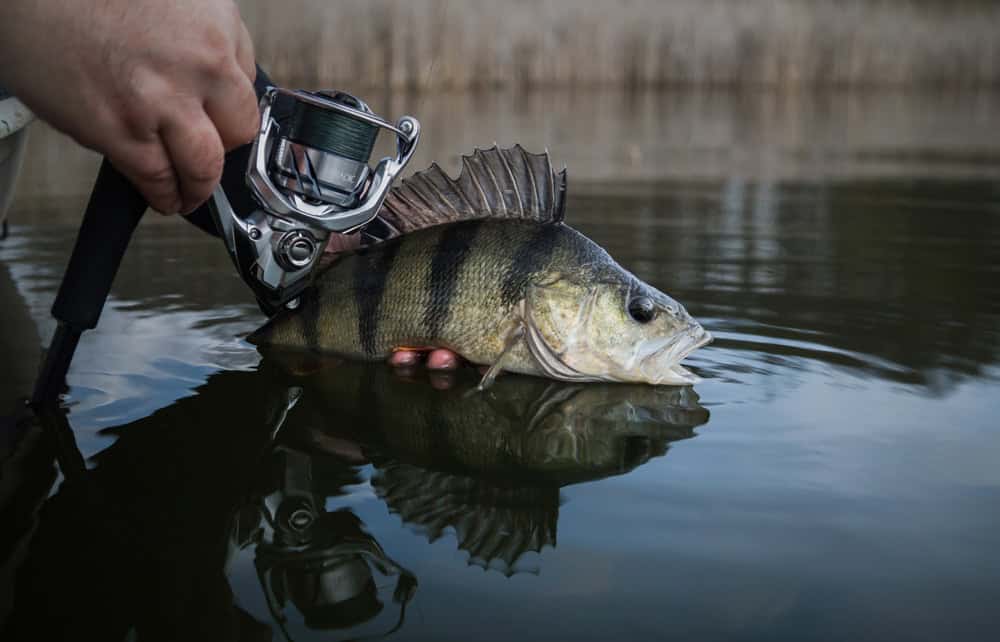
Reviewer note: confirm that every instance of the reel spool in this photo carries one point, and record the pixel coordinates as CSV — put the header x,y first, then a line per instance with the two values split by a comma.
x,y
309,173
325,156
314,167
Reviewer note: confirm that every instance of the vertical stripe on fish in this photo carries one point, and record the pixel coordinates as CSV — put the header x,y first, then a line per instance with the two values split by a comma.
x,y
450,255
371,272
529,259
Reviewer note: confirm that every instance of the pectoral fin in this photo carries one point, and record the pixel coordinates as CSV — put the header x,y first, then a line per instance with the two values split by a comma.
x,y
513,337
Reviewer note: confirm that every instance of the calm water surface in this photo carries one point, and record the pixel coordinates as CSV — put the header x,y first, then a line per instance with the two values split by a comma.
x,y
834,477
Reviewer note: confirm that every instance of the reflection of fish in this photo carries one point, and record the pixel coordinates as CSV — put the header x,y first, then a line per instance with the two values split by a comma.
x,y
490,466
526,428
495,524
496,277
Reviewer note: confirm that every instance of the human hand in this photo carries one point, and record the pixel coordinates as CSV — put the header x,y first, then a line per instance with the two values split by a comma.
x,y
162,89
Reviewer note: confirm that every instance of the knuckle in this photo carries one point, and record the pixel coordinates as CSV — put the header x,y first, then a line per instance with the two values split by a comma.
x,y
139,103
216,53
139,114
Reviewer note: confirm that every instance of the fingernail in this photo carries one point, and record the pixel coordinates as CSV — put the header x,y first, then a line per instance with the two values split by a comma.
x,y
403,358
442,361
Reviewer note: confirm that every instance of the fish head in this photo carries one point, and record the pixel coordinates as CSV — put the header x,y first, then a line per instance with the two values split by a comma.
x,y
610,326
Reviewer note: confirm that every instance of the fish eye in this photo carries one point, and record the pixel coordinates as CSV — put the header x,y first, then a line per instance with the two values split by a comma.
x,y
641,309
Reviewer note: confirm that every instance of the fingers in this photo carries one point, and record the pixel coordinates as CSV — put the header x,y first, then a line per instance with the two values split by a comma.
x,y
232,103
177,167
233,109
149,168
439,359
442,359
196,137
441,364
195,149
404,358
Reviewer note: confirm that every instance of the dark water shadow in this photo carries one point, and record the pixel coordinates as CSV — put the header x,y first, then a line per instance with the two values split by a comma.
x,y
236,482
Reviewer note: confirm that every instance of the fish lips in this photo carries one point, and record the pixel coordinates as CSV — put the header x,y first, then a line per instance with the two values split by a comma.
x,y
662,365
656,362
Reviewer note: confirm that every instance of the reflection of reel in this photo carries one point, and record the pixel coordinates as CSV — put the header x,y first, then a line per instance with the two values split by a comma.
x,y
293,521
329,580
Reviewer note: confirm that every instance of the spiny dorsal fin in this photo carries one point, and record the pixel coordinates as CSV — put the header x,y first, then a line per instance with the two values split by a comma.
x,y
494,183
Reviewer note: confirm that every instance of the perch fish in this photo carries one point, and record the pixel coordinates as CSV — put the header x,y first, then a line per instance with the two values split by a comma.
x,y
485,266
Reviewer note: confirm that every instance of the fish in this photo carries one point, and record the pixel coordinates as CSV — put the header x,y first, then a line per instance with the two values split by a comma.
x,y
487,467
485,265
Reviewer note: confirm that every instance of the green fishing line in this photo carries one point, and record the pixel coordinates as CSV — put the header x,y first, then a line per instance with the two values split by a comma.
x,y
333,132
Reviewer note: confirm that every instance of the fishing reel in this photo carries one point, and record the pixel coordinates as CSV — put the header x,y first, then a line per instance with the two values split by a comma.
x,y
323,562
309,176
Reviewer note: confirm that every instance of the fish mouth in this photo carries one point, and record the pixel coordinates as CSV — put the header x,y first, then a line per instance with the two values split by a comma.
x,y
656,362
662,366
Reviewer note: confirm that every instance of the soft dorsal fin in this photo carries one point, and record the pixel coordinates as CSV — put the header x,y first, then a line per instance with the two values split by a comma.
x,y
494,183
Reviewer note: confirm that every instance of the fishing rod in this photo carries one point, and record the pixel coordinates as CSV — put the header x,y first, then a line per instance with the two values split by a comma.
x,y
305,176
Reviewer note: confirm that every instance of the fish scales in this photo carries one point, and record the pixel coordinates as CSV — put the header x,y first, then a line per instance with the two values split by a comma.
x,y
450,255
438,287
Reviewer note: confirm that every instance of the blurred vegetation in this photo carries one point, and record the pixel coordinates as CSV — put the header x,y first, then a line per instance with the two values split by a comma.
x,y
447,44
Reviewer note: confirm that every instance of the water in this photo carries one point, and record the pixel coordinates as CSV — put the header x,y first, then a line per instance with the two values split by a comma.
x,y
833,477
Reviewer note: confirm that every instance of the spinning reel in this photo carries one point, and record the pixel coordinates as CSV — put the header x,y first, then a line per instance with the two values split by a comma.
x,y
309,175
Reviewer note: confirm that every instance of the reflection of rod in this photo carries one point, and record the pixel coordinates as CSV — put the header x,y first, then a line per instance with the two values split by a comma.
x,y
54,422
56,365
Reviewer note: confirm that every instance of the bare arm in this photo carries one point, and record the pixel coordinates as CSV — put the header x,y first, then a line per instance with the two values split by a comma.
x,y
161,88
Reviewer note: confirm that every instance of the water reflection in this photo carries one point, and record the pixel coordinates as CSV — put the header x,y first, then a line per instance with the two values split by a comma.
x,y
498,459
888,278
151,539
319,562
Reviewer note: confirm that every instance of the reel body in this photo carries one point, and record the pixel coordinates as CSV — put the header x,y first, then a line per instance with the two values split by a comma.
x,y
309,176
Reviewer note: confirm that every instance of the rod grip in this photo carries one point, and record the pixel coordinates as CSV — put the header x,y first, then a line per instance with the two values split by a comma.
x,y
114,211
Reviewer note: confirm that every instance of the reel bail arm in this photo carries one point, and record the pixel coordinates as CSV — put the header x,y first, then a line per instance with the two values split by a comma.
x,y
309,177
